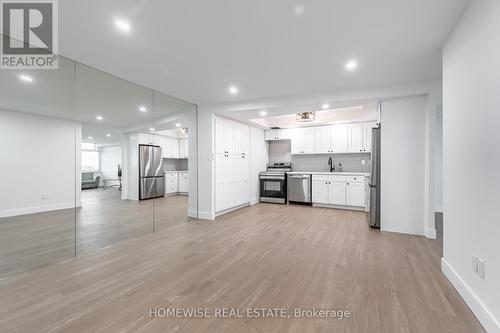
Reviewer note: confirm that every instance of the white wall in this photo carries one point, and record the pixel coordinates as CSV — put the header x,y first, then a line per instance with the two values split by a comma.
x,y
438,188
471,158
402,165
38,163
258,161
110,157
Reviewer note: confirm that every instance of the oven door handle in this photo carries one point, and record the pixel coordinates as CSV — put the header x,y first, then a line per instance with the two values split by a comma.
x,y
272,177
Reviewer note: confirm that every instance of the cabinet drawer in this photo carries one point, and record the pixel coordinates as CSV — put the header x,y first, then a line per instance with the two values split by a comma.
x,y
329,178
355,179
171,175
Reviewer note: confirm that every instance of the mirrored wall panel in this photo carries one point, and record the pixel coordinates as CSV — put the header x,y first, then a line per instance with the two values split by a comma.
x,y
114,169
174,134
89,161
38,185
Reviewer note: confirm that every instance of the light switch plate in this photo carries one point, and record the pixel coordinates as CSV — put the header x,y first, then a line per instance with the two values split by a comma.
x,y
474,263
363,162
480,268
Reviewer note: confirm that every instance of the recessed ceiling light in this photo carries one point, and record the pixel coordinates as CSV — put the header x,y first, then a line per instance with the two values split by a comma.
x,y
233,90
263,113
152,129
298,10
325,106
25,78
108,135
89,137
142,109
99,118
177,125
122,25
351,65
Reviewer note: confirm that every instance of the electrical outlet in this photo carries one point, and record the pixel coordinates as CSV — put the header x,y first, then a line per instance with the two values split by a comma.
x,y
363,162
474,263
480,268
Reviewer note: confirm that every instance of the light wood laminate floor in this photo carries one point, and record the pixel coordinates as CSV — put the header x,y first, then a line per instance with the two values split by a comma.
x,y
35,240
260,256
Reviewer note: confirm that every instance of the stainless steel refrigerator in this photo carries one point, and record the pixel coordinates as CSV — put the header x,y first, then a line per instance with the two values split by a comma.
x,y
375,179
151,184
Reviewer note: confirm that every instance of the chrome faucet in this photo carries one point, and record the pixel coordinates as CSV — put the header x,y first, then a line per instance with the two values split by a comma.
x,y
330,163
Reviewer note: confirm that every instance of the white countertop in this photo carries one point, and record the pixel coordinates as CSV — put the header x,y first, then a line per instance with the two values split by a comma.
x,y
366,174
175,171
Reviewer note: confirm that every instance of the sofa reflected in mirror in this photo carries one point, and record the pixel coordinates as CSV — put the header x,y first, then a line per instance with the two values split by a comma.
x,y
89,181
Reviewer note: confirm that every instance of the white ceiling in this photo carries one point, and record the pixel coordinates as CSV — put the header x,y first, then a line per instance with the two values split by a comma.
x,y
195,49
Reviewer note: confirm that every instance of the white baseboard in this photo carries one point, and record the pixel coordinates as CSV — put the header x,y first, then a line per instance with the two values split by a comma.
x,y
430,233
485,317
37,209
438,208
231,209
206,215
192,213
254,201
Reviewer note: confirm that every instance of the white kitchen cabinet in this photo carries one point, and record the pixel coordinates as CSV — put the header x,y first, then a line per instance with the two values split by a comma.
x,y
171,182
339,138
322,139
355,137
183,148
303,140
320,190
183,182
146,139
337,192
276,134
367,135
232,164
355,194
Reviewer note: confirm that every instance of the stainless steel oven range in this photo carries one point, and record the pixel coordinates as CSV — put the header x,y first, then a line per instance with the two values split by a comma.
x,y
273,183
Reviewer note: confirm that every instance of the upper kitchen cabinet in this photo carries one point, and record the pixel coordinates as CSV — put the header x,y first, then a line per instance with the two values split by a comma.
x,y
367,135
183,148
303,140
146,139
231,137
339,141
277,134
355,137
330,139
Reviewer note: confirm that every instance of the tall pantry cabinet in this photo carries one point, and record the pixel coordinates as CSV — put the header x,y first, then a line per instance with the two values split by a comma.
x,y
232,164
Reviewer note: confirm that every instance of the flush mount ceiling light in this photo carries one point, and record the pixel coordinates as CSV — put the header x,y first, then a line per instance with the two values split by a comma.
x,y
177,125
151,129
233,90
25,78
263,113
99,118
123,25
351,65
108,135
89,137
142,109
298,10
325,106
306,116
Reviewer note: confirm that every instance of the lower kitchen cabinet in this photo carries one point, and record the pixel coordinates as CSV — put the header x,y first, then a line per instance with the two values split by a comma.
x,y
183,182
349,191
355,194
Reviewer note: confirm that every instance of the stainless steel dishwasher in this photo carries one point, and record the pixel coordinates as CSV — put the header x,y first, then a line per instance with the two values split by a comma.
x,y
299,188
